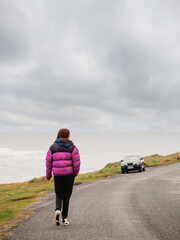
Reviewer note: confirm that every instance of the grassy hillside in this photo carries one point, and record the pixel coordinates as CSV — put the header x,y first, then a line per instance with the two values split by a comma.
x,y
158,160
16,196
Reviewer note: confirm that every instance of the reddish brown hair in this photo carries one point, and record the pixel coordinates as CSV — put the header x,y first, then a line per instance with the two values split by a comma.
x,y
63,133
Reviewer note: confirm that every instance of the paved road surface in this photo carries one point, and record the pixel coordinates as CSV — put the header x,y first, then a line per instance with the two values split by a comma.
x,y
127,207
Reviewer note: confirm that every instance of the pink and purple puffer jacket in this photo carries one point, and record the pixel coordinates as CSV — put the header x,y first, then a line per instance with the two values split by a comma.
x,y
62,159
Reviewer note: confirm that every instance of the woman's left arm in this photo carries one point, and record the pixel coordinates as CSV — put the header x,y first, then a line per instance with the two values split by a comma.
x,y
49,164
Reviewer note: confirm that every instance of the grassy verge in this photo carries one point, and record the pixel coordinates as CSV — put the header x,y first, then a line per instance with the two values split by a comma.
x,y
159,160
109,170
16,196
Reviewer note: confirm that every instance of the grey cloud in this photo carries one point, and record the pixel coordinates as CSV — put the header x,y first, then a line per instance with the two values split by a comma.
x,y
112,65
13,44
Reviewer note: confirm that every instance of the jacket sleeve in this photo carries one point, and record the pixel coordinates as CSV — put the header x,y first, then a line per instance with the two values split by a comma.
x,y
49,164
76,161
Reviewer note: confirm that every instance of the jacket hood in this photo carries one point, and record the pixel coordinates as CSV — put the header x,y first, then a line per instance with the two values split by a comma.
x,y
63,143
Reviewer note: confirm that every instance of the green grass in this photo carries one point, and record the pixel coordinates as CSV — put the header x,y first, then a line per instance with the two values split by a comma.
x,y
158,160
109,170
16,196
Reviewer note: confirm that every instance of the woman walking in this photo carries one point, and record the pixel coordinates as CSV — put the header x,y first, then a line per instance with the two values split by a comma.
x,y
63,161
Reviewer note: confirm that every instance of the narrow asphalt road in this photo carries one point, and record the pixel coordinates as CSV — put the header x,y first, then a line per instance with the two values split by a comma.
x,y
132,206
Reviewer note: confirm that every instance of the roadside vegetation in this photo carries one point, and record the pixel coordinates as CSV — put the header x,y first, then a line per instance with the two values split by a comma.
x,y
15,197
158,160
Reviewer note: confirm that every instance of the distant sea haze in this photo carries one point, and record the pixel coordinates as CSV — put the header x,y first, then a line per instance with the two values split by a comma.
x,y
22,155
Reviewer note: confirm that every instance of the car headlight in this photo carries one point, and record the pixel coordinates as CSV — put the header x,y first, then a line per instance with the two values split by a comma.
x,y
123,164
136,163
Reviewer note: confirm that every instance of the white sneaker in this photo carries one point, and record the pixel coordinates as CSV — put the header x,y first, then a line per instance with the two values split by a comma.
x,y
65,222
57,217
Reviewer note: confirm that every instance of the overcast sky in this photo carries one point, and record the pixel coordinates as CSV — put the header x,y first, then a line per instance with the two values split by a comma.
x,y
106,65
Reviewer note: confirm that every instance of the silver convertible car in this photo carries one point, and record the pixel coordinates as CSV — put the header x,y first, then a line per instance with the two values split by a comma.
x,y
132,163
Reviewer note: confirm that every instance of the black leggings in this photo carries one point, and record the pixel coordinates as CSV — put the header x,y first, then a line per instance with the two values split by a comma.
x,y
63,189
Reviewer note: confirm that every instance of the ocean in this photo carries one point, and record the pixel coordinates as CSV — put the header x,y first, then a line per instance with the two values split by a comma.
x,y
22,155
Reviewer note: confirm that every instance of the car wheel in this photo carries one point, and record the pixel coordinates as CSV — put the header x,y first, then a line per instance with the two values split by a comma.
x,y
126,171
144,169
123,172
141,169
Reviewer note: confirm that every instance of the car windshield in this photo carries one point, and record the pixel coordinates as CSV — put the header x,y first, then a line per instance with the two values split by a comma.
x,y
131,158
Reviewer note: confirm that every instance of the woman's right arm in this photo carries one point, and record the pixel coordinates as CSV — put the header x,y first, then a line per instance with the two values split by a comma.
x,y
49,165
76,161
